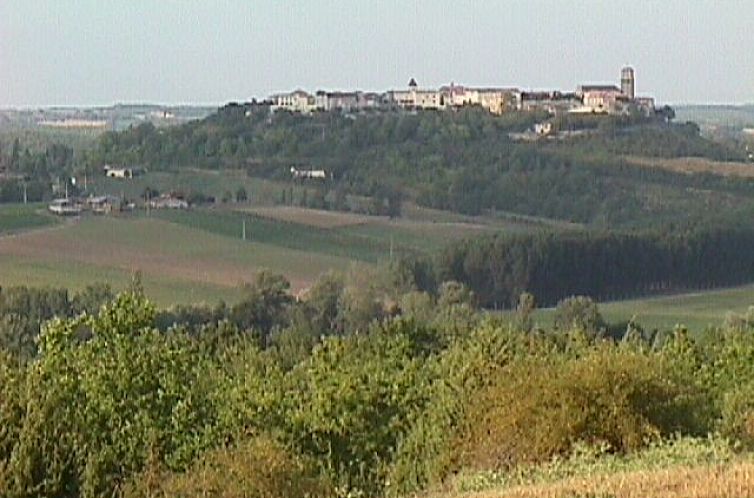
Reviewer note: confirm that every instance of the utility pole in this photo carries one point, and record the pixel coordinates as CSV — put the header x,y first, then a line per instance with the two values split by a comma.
x,y
243,229
25,197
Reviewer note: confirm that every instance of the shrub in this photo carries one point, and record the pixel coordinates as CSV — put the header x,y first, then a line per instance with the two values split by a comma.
x,y
259,468
539,407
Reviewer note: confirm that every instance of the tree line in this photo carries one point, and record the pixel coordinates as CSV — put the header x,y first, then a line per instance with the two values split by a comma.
x,y
28,174
603,265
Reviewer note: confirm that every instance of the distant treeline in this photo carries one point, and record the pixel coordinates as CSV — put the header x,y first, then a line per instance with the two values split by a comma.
x,y
30,172
607,265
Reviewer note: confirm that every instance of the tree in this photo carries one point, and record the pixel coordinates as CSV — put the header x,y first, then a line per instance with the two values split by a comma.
x,y
241,195
580,313
264,305
454,293
526,306
92,298
15,155
150,193
322,301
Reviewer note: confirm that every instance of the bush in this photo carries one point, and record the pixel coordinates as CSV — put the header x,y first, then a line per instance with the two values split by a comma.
x,y
541,406
259,468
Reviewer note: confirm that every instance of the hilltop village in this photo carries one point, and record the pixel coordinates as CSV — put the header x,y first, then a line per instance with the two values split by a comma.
x,y
605,99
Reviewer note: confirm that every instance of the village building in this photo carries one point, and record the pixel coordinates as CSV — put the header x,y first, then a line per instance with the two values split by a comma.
x,y
337,101
296,101
494,100
416,98
603,99
103,204
552,102
600,99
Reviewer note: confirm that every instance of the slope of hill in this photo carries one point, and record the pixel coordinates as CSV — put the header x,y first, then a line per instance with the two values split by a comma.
x,y
459,161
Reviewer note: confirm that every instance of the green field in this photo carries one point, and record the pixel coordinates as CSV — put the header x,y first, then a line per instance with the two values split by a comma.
x,y
178,263
371,240
16,218
200,255
696,311
284,235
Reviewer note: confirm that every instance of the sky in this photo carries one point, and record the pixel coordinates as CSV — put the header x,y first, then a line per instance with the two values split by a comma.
x,y
95,52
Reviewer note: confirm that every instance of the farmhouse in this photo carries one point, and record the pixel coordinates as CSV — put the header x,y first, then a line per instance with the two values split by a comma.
x,y
168,201
64,207
317,174
113,172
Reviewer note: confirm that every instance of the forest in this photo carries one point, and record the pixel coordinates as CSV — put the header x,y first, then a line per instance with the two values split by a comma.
x,y
606,265
355,390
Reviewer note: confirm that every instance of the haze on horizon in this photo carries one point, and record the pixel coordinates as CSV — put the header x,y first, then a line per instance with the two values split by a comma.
x,y
88,52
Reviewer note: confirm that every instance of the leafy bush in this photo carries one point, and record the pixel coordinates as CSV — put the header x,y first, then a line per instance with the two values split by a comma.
x,y
539,407
259,468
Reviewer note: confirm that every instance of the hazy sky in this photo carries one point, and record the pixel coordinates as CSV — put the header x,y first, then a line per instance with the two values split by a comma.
x,y
73,52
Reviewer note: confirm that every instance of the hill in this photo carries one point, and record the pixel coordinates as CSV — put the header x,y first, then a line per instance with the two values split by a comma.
x,y
464,162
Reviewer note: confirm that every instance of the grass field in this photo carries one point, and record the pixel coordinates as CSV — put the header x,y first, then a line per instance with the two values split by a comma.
x,y
379,232
178,263
16,218
285,235
199,254
696,310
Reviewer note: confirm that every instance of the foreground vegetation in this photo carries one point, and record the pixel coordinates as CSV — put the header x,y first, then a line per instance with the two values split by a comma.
x,y
361,388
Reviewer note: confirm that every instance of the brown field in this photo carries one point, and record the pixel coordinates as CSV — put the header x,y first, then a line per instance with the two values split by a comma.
x,y
313,217
692,165
732,480
417,219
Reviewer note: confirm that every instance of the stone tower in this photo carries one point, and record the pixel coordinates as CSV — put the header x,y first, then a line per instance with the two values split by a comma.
x,y
627,82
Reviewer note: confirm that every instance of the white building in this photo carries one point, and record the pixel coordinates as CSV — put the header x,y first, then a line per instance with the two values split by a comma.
x,y
416,98
296,101
114,172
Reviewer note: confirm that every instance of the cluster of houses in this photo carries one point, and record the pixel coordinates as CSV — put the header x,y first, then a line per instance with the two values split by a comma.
x,y
107,204
586,99
103,204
